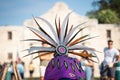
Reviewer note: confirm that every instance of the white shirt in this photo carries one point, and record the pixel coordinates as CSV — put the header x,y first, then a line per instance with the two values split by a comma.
x,y
10,69
110,55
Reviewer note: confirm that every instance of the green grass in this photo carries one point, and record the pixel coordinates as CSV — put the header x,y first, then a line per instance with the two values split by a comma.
x,y
38,79
96,78
32,79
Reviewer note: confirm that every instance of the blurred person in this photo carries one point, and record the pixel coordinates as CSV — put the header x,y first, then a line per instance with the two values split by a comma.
x,y
20,67
31,69
44,60
110,57
87,66
119,54
1,67
10,72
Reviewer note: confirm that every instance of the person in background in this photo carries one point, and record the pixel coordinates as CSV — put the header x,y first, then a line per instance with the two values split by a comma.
x,y
31,69
111,55
1,67
119,55
44,60
10,72
20,67
87,66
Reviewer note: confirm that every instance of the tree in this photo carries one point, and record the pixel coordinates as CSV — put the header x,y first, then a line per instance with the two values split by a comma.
x,y
107,16
108,11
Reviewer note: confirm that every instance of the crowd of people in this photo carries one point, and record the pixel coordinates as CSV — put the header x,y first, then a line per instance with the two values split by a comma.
x,y
107,68
13,69
19,64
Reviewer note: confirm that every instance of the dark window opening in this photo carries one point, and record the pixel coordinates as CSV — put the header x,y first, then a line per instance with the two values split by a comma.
x,y
9,35
108,34
10,56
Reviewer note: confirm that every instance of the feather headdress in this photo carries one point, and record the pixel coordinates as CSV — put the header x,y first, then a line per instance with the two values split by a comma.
x,y
63,42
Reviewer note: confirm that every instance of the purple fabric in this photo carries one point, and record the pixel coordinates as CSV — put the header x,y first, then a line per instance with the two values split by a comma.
x,y
58,70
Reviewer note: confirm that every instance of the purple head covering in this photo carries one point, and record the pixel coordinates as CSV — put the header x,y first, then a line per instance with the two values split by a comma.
x,y
64,67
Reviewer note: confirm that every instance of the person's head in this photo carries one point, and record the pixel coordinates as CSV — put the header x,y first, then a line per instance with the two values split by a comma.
x,y
19,60
44,44
110,44
30,62
119,50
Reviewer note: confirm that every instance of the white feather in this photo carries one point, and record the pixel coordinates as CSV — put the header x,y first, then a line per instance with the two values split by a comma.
x,y
51,28
43,35
71,32
80,47
63,27
46,49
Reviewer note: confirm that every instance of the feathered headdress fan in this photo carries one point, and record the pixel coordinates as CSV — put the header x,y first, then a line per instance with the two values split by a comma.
x,y
61,66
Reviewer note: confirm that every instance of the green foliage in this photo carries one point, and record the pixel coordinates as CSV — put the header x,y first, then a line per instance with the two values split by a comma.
x,y
92,14
108,11
107,16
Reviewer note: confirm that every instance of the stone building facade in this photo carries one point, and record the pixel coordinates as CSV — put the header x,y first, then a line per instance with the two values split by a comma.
x,y
11,43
